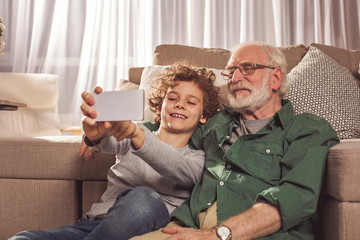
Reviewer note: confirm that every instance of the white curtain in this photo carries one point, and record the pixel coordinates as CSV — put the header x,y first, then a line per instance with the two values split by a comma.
x,y
95,42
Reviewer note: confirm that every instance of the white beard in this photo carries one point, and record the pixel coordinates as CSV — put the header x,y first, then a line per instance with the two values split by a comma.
x,y
257,97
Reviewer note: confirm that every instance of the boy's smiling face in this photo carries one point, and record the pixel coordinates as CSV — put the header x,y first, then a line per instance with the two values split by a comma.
x,y
182,108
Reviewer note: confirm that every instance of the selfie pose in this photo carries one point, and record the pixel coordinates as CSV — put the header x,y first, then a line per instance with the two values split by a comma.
x,y
154,171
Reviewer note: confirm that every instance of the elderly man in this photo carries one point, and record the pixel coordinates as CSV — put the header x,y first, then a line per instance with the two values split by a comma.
x,y
264,166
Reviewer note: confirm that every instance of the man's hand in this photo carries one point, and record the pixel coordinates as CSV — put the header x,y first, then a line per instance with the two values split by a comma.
x,y
179,233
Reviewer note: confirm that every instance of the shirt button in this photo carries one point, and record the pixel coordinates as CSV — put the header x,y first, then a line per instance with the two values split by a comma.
x,y
268,151
221,183
228,166
209,204
228,137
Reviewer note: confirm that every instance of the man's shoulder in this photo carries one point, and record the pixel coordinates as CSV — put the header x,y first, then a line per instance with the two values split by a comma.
x,y
220,117
310,118
308,123
151,126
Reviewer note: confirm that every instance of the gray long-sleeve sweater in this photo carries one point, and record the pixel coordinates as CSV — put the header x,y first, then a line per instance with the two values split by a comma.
x,y
170,171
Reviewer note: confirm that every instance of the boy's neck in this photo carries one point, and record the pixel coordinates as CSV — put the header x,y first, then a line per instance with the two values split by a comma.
x,y
179,140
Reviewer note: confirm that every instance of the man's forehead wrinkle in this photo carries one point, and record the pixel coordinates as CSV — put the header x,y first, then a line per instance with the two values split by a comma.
x,y
248,53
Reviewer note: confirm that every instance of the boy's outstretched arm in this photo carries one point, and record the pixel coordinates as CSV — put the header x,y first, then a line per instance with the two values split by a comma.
x,y
127,129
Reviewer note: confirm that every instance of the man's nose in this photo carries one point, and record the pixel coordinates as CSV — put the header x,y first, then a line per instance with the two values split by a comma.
x,y
236,76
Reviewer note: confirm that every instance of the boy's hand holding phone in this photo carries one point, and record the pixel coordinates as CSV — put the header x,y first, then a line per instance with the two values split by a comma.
x,y
111,112
93,130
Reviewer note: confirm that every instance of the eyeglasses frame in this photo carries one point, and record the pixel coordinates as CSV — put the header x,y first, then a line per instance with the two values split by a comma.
x,y
255,66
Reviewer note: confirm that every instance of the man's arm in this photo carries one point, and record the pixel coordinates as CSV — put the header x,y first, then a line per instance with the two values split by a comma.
x,y
260,220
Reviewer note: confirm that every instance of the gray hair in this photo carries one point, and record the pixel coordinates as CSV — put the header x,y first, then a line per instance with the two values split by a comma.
x,y
275,57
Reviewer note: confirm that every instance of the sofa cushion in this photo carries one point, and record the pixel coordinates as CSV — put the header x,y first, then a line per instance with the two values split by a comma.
x,y
340,220
124,85
135,74
40,117
37,204
342,176
321,86
168,54
92,192
148,80
293,55
349,59
50,158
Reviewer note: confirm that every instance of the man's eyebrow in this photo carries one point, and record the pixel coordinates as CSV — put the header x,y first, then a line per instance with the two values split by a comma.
x,y
230,67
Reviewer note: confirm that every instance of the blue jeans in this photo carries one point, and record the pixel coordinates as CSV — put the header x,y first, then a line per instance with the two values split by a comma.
x,y
136,211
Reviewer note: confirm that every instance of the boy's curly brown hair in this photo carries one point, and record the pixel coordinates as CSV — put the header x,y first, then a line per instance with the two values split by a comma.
x,y
183,71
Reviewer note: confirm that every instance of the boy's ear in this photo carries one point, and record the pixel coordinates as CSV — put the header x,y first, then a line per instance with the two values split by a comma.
x,y
203,120
158,112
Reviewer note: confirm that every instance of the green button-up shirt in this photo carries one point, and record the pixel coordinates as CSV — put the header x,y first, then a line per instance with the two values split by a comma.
x,y
283,163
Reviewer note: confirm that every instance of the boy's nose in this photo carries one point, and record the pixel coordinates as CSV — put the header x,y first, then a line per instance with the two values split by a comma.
x,y
179,105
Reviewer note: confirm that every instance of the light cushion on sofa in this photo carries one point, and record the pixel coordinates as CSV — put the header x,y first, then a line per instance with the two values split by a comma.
x,y
40,116
148,80
321,86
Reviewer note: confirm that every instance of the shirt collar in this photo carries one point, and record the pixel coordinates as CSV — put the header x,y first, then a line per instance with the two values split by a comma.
x,y
283,116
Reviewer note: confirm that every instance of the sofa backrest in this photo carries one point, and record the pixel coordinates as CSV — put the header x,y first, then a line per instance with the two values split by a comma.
x,y
167,54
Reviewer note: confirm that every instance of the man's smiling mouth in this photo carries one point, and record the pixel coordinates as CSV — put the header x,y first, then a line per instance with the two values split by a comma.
x,y
178,115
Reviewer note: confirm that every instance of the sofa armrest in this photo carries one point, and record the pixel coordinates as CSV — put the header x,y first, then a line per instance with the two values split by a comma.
x,y
342,174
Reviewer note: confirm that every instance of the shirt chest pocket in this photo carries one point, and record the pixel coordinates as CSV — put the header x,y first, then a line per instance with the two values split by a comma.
x,y
264,159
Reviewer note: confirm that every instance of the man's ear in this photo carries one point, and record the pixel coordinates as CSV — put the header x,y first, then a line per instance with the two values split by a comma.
x,y
277,79
203,120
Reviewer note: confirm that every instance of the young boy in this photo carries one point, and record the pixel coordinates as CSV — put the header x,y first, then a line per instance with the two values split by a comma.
x,y
154,171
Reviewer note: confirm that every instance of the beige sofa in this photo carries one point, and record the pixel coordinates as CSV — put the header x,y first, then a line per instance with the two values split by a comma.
x,y
45,184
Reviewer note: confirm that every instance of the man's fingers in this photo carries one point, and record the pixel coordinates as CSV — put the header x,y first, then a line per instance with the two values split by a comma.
x,y
171,230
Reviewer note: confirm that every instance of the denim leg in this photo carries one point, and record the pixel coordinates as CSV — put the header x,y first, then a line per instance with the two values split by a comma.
x,y
72,232
136,211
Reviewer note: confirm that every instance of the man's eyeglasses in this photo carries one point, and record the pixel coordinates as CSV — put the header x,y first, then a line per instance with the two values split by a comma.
x,y
246,68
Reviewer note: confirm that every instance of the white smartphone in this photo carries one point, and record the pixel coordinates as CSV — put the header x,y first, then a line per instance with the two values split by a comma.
x,y
119,105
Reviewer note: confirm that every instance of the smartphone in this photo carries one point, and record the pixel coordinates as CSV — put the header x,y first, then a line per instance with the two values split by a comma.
x,y
119,105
